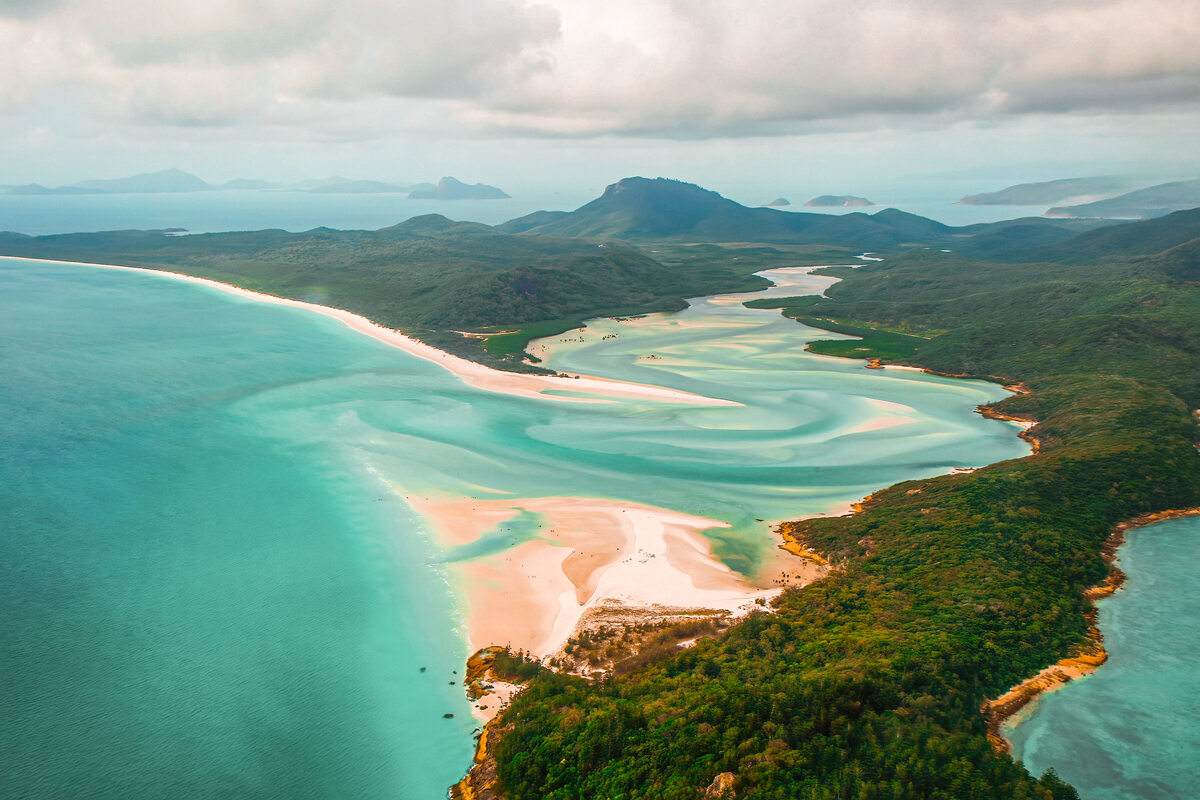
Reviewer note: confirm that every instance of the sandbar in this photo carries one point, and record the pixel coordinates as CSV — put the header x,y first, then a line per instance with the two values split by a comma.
x,y
589,552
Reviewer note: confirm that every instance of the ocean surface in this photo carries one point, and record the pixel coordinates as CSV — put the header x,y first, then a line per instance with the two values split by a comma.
x,y
1129,731
205,212
212,587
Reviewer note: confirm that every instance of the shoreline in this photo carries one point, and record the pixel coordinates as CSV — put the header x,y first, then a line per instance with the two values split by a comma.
x,y
535,611
1092,656
589,556
1026,435
672,537
791,564
553,575
471,372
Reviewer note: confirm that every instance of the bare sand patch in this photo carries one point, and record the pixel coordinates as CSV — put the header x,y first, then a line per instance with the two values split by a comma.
x,y
590,552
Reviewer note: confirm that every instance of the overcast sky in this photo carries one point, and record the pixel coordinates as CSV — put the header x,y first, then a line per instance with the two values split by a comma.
x,y
544,94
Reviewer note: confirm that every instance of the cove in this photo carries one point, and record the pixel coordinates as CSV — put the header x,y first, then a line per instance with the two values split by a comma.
x,y
1128,732
214,585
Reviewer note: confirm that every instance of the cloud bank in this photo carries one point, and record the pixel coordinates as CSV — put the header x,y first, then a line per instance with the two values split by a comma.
x,y
659,68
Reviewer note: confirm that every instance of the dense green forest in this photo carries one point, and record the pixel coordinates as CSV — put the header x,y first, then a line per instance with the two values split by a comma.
x,y
869,684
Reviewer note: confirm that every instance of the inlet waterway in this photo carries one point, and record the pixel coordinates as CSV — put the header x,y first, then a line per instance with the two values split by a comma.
x,y
213,587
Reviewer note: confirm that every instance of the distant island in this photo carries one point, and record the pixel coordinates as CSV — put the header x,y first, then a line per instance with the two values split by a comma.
x,y
167,180
779,202
1155,201
1049,192
453,189
39,189
177,181
838,200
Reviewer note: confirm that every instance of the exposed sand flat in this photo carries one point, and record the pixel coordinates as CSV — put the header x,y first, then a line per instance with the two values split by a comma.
x,y
540,386
533,595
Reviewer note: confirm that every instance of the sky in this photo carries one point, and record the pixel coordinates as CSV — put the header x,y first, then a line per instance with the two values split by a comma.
x,y
541,95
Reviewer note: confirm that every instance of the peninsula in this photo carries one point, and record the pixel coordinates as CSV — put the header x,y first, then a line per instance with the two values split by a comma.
x,y
1051,192
1154,201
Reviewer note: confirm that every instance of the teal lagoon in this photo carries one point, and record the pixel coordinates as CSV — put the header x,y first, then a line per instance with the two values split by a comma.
x,y
1131,730
211,583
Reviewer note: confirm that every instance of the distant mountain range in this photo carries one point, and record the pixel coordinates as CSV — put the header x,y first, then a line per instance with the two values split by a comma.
x,y
621,253
1051,192
1155,201
453,189
167,180
178,181
659,208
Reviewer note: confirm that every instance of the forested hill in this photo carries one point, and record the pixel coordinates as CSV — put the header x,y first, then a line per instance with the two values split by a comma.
x,y
869,684
644,208
1080,241
1130,239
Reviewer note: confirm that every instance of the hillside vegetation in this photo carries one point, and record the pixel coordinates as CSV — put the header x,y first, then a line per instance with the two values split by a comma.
x,y
869,684
656,209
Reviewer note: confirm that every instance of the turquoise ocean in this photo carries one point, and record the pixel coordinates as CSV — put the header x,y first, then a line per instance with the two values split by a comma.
x,y
212,586
1129,731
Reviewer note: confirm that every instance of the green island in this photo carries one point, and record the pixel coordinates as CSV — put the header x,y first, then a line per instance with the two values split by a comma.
x,y
949,591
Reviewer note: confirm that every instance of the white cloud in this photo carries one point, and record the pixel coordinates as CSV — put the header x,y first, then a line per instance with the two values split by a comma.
x,y
208,63
771,65
674,68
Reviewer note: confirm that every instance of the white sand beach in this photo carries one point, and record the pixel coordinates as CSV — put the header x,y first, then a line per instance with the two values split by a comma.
x,y
591,551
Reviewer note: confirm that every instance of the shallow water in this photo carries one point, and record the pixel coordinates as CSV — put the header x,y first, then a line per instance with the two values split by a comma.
x,y
211,587
1130,731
